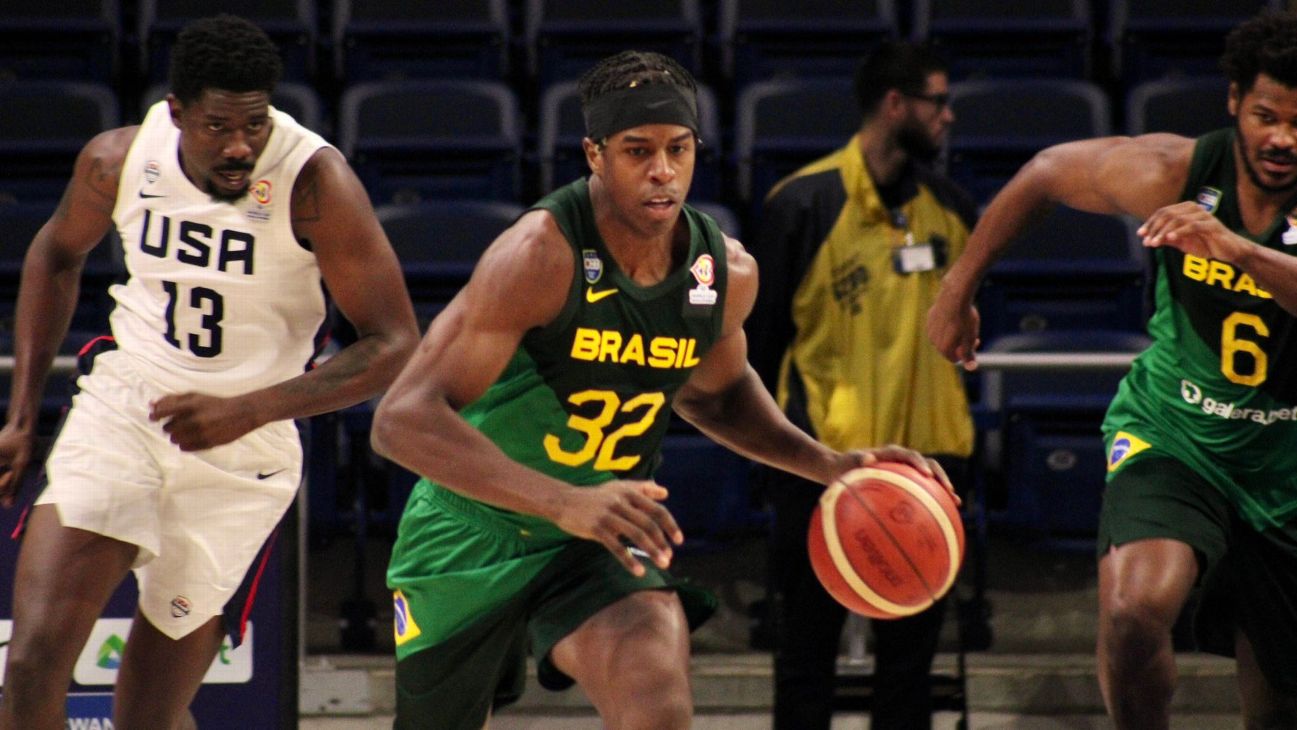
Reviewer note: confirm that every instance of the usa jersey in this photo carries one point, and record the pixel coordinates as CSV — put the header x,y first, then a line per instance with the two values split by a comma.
x,y
220,296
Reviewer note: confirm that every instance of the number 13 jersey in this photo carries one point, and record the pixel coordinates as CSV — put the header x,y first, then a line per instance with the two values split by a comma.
x,y
220,297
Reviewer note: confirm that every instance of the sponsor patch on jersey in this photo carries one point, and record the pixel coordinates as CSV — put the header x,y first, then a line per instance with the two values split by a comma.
x,y
592,265
1289,236
1124,446
152,171
1208,198
403,625
260,191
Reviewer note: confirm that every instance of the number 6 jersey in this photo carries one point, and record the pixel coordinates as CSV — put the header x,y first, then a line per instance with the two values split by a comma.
x,y
220,296
1218,386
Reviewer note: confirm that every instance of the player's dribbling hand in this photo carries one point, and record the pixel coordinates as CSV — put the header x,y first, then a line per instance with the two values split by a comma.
x,y
620,514
15,453
195,421
902,455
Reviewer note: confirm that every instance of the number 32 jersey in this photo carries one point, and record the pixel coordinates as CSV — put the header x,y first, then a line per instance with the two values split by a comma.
x,y
1218,387
220,297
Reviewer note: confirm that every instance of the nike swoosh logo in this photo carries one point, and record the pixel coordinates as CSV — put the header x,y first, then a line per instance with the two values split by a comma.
x,y
656,104
267,475
593,296
146,195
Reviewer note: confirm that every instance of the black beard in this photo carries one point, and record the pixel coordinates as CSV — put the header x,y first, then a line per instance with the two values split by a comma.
x,y
1251,171
916,143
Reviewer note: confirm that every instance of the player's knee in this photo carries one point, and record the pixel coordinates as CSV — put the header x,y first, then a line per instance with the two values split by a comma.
x,y
655,692
1136,625
29,661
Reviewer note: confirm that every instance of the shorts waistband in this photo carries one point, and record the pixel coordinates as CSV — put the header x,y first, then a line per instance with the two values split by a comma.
x,y
508,525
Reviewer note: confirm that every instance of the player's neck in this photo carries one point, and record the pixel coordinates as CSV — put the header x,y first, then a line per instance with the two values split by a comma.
x,y
644,256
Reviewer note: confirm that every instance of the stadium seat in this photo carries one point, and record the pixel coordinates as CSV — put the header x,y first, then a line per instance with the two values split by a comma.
x,y
290,23
74,40
564,38
441,240
1051,454
299,101
43,125
1189,106
1008,38
390,39
1152,39
725,218
782,125
1073,271
1001,123
772,39
562,127
432,138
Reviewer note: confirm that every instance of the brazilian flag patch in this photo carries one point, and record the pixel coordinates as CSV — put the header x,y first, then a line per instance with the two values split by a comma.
x,y
403,625
1124,446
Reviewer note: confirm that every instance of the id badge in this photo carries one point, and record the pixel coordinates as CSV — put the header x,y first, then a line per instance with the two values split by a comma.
x,y
914,259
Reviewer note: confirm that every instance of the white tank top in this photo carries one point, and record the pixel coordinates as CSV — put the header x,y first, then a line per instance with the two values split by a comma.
x,y
220,297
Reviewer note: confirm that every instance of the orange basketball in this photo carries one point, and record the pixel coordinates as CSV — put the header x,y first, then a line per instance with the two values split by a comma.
x,y
886,541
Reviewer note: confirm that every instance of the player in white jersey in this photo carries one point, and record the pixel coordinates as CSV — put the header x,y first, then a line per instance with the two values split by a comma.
x,y
179,455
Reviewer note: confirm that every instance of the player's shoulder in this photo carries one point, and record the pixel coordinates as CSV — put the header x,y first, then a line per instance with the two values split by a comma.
x,y
535,243
111,146
739,263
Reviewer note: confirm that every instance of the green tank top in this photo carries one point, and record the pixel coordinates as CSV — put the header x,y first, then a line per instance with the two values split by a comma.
x,y
587,398
1217,387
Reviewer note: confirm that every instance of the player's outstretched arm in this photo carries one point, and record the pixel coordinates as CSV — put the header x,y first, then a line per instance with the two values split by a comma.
x,y
49,287
333,217
1109,175
521,283
725,399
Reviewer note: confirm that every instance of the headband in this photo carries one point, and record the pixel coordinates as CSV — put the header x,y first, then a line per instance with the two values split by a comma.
x,y
633,106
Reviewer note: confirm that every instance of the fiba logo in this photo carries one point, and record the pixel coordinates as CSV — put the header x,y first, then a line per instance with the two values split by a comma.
x,y
260,191
180,607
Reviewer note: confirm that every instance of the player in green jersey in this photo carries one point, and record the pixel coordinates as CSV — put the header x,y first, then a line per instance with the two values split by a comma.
x,y
535,409
1201,485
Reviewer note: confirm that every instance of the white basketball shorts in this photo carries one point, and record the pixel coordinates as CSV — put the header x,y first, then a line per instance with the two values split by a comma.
x,y
199,518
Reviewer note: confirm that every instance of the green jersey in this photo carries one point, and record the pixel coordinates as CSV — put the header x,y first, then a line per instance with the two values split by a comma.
x,y
1217,387
587,398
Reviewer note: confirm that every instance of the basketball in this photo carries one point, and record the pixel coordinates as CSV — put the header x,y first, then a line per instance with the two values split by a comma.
x,y
886,541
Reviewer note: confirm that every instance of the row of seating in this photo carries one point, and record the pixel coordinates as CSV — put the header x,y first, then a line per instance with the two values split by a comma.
x,y
433,138
743,40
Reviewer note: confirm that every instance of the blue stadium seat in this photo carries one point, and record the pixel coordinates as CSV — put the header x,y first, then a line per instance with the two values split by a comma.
x,y
564,38
75,40
432,138
1074,270
1153,39
774,39
725,218
1001,123
390,39
708,488
1050,450
562,127
1189,106
299,101
1008,38
443,239
43,125
290,23
782,125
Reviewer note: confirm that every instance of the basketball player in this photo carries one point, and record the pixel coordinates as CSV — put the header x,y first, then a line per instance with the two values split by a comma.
x,y
180,454
535,410
1201,464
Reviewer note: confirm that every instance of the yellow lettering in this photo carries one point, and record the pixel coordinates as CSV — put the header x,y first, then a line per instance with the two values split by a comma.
x,y
1245,285
585,344
1220,273
687,359
634,351
1195,267
610,345
662,352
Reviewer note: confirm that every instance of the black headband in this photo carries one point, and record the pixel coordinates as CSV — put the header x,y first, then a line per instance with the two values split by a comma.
x,y
640,104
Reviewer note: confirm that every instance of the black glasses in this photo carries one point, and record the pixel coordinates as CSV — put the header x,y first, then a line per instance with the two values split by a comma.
x,y
941,100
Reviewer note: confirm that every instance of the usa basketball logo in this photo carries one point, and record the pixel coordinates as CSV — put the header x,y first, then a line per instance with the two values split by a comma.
x,y
152,171
260,191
